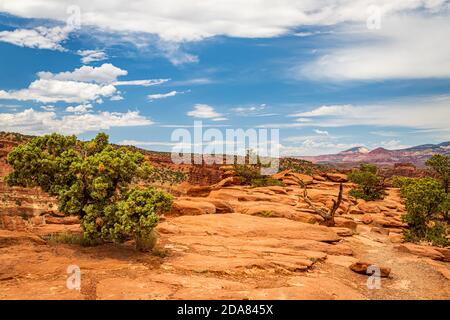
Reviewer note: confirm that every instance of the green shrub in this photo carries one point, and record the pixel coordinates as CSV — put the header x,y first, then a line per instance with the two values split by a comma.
x,y
370,187
166,175
91,180
400,182
267,213
70,238
441,165
247,173
251,175
425,201
266,182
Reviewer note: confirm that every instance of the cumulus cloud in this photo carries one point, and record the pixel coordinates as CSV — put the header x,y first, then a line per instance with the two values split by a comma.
x,y
204,111
34,122
88,56
180,20
106,73
49,91
80,109
38,38
81,85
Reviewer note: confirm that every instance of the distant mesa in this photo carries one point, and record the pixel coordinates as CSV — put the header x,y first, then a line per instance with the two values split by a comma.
x,y
417,155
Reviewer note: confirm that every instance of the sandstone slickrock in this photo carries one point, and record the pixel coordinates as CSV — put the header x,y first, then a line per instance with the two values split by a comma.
x,y
62,220
424,251
8,238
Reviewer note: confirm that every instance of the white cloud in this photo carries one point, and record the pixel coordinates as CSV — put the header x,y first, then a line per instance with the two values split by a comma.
x,y
174,53
195,81
308,145
180,20
80,109
48,108
144,83
205,111
406,47
36,122
81,85
393,144
383,133
321,132
106,73
38,38
49,91
324,111
157,96
419,113
88,56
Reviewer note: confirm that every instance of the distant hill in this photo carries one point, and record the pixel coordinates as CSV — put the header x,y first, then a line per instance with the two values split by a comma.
x,y
416,155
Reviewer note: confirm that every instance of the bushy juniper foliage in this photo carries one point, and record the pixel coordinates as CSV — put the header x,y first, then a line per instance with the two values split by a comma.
x,y
91,180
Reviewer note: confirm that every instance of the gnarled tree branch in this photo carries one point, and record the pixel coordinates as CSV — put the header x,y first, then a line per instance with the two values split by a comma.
x,y
326,214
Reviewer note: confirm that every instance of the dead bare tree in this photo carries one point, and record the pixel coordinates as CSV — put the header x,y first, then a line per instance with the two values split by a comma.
x,y
328,213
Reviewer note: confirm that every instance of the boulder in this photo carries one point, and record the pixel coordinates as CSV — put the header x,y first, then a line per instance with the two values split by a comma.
x,y
343,232
362,268
191,207
199,191
345,223
337,177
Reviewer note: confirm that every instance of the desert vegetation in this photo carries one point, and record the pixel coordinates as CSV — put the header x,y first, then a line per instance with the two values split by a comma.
x,y
370,185
427,203
92,180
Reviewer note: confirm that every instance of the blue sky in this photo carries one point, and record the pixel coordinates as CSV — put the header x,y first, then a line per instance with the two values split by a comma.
x,y
322,72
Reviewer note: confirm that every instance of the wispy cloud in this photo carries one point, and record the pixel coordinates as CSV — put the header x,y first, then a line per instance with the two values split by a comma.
x,y
158,96
403,48
430,112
